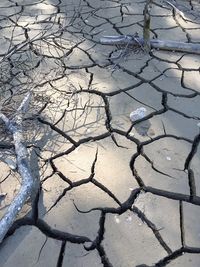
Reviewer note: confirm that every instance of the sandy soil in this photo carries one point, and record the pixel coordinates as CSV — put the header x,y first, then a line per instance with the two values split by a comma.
x,y
113,192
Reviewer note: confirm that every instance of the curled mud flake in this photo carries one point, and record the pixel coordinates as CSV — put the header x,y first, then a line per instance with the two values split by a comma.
x,y
137,114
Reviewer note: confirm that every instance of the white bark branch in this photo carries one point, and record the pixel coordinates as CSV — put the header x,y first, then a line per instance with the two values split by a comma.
x,y
155,43
15,127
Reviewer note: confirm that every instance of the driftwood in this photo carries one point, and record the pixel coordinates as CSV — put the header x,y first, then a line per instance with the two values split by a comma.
x,y
14,126
154,43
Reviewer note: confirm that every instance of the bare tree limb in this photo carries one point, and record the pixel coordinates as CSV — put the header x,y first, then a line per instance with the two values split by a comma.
x,y
154,43
15,127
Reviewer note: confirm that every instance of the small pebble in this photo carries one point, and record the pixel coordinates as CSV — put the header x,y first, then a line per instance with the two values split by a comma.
x,y
137,114
117,220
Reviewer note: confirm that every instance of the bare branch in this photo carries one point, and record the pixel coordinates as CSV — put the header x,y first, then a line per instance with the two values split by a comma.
x,y
15,127
154,43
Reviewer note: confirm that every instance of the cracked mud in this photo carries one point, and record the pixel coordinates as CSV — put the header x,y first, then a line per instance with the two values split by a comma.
x,y
112,192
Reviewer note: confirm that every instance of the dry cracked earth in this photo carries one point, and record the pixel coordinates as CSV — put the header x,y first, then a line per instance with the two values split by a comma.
x,y
113,192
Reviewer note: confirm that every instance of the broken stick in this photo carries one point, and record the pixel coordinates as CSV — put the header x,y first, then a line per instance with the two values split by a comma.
x,y
15,127
154,43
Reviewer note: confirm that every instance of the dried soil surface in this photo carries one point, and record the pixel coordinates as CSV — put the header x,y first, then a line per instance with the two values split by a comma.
x,y
112,192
